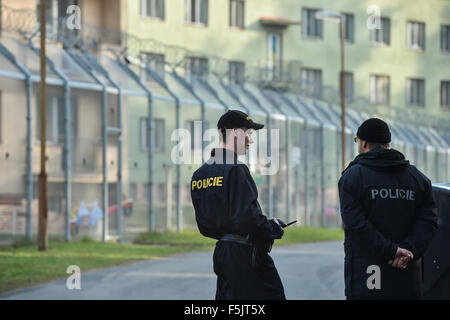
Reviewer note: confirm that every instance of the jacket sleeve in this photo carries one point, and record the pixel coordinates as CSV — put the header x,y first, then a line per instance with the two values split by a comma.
x,y
425,227
245,212
357,226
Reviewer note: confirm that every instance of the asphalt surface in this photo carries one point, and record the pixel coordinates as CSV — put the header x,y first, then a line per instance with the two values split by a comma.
x,y
308,271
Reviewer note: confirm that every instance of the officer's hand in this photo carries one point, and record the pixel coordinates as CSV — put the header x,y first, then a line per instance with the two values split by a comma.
x,y
280,232
280,222
402,258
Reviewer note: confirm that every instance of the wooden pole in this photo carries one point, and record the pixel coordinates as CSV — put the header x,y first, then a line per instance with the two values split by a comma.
x,y
43,210
342,85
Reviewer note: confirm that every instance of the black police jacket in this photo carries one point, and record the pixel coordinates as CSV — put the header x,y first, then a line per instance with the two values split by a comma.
x,y
386,203
225,200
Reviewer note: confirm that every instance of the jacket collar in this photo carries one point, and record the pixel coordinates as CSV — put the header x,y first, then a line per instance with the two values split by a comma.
x,y
227,156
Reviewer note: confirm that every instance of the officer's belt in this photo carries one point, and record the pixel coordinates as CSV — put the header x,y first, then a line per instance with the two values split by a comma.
x,y
236,238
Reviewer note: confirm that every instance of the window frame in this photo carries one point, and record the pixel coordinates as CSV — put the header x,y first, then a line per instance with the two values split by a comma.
x,y
189,19
414,25
386,36
447,41
236,72
144,147
352,40
239,6
144,10
447,94
306,23
316,92
388,95
410,93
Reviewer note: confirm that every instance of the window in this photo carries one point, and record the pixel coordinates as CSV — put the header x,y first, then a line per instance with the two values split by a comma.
x,y
349,27
311,26
152,9
154,62
197,11
236,72
383,35
415,92
196,67
445,38
415,35
311,82
55,131
379,89
158,135
445,94
237,13
348,83
56,9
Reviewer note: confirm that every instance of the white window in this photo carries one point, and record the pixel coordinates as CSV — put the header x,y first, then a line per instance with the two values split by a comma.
x,y
311,82
236,72
383,35
311,27
273,56
349,27
152,9
196,67
379,89
415,35
158,134
154,62
445,38
445,94
415,92
197,11
237,13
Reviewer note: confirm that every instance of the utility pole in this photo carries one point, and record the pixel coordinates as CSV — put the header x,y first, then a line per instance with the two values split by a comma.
x,y
43,209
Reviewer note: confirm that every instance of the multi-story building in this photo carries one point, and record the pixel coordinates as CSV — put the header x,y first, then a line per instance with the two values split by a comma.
x,y
180,61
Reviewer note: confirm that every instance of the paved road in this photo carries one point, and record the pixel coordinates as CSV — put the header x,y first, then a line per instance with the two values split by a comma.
x,y
308,271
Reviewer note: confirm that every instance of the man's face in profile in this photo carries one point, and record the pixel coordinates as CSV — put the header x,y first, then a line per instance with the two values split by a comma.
x,y
242,140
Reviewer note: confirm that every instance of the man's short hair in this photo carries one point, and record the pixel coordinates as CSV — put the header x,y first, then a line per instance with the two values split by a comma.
x,y
377,145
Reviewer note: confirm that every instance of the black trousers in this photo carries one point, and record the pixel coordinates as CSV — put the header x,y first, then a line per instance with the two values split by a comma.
x,y
239,279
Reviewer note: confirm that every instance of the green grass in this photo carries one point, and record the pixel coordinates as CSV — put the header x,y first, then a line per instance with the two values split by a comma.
x,y
23,265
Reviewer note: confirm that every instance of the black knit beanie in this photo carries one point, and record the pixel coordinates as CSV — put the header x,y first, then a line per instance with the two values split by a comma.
x,y
374,130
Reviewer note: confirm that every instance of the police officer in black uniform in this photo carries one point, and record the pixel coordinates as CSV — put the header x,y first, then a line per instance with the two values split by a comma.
x,y
226,205
389,217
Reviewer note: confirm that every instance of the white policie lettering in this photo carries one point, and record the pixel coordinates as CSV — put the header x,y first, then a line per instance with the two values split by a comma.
x,y
388,193
374,281
73,281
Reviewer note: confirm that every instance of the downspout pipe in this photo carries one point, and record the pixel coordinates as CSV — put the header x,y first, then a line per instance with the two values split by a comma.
x,y
149,137
117,131
67,138
189,87
162,83
269,144
288,147
29,178
305,131
104,133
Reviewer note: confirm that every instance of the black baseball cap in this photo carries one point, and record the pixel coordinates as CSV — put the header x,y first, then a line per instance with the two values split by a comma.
x,y
374,130
237,119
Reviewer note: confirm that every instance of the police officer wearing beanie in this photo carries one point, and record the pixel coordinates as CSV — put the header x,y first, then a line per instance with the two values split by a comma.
x,y
389,217
226,205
